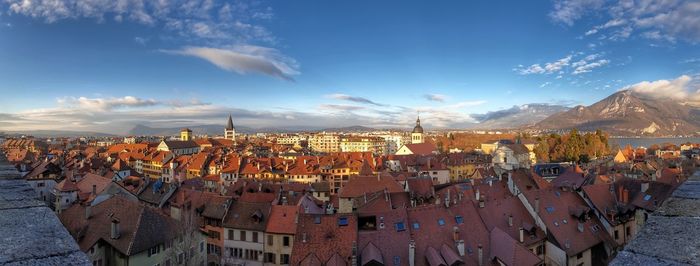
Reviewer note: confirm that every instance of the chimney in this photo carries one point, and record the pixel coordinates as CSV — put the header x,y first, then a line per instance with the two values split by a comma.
x,y
537,205
455,233
478,194
481,255
510,220
472,181
303,237
460,247
645,186
94,190
88,212
522,235
447,199
580,227
115,228
481,203
625,196
412,253
386,195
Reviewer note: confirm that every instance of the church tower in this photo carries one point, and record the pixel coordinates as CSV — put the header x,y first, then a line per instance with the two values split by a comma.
x,y
417,134
186,134
230,131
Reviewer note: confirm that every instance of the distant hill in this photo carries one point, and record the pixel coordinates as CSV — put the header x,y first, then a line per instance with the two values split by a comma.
x,y
349,129
142,130
517,116
628,113
57,133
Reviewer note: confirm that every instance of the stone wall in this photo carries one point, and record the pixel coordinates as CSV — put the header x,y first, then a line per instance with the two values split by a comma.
x,y
671,235
30,233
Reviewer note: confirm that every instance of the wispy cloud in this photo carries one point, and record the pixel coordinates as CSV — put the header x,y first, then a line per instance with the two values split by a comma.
x,y
340,107
245,59
435,97
655,20
141,40
583,64
225,21
357,99
105,104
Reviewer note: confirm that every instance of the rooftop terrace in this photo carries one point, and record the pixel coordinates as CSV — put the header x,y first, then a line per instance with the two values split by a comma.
x,y
30,232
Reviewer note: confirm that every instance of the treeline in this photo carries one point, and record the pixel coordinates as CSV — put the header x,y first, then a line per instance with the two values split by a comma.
x,y
572,147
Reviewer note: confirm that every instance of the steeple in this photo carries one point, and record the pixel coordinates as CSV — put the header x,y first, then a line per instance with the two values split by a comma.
x,y
229,126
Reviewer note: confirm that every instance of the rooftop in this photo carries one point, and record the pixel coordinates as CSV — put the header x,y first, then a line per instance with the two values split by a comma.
x,y
671,234
31,232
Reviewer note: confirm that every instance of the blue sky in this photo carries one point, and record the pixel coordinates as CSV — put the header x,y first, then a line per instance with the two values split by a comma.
x,y
107,65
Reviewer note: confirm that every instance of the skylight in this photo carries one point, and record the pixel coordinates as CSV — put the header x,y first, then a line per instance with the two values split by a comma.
x,y
441,222
317,219
416,226
343,221
550,209
459,219
647,197
400,226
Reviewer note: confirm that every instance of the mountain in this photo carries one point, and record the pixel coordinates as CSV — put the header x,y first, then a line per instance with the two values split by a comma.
x,y
629,113
517,116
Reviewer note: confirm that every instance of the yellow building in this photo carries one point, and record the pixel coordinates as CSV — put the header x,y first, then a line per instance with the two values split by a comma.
x,y
361,144
325,142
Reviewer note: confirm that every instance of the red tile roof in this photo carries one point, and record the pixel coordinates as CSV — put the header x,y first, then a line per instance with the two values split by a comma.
x,y
282,219
322,236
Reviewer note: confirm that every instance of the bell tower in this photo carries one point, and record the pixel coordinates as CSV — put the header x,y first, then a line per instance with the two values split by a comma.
x,y
230,131
417,133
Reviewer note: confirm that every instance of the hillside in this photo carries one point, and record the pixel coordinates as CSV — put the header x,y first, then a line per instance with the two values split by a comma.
x,y
627,113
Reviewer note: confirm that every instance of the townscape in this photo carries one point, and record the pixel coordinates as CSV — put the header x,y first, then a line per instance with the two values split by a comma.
x,y
344,198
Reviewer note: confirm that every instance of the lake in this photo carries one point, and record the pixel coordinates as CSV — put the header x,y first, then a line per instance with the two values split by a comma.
x,y
646,142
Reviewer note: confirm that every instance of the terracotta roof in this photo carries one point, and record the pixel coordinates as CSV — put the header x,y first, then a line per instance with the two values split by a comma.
x,y
507,250
421,148
323,236
359,185
282,219
248,216
555,208
140,227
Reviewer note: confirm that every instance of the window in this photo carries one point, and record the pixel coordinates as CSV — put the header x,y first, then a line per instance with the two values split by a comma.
x,y
397,260
242,236
343,221
285,241
180,257
550,209
230,234
400,226
459,219
441,222
284,259
317,219
579,255
269,258
270,240
540,250
416,226
617,235
255,237
201,247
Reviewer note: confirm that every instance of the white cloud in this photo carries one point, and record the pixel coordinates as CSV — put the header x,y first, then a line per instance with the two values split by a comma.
x,y
545,84
245,59
589,66
667,20
225,21
435,97
140,40
683,89
102,104
584,64
568,11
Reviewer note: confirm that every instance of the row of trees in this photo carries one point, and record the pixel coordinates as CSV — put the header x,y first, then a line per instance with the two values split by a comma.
x,y
572,147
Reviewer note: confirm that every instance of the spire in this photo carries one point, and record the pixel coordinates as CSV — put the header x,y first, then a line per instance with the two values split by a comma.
x,y
229,126
418,120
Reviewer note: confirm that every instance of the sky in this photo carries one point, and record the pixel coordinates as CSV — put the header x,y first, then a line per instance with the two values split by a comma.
x,y
107,65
